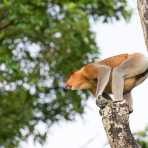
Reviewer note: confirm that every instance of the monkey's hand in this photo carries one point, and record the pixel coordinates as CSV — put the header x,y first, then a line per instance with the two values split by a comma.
x,y
101,101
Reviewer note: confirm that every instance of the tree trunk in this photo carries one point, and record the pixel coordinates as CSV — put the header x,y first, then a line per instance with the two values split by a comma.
x,y
115,117
143,12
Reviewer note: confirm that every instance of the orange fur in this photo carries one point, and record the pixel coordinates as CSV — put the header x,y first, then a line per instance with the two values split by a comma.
x,y
114,61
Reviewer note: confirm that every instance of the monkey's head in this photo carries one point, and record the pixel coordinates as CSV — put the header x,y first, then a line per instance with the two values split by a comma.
x,y
78,80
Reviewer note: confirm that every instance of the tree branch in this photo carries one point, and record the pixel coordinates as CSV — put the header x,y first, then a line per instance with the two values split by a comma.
x,y
115,115
115,118
143,13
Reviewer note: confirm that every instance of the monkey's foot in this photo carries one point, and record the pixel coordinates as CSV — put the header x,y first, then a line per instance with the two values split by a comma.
x,y
119,101
101,102
130,111
123,101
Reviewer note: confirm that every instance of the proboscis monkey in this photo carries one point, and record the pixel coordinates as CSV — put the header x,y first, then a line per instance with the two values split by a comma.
x,y
116,75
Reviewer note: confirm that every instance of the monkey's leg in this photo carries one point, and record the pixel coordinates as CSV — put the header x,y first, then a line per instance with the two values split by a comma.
x,y
103,78
141,79
134,65
128,98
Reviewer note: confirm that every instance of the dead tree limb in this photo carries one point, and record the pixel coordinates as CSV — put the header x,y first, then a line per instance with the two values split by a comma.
x,y
115,118
143,13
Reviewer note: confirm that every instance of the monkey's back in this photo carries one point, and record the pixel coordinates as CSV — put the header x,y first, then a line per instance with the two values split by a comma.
x,y
114,61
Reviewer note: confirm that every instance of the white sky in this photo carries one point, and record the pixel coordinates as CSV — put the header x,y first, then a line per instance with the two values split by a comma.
x,y
88,132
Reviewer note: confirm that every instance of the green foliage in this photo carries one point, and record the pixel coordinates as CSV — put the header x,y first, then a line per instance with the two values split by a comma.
x,y
15,112
142,137
41,41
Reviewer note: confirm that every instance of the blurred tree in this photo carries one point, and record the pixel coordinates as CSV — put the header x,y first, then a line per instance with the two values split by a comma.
x,y
142,137
40,42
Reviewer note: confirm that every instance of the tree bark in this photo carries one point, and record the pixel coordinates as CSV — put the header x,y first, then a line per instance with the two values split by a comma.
x,y
115,118
143,13
115,115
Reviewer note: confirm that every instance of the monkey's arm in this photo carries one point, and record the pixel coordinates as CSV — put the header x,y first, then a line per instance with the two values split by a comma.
x,y
99,72
102,79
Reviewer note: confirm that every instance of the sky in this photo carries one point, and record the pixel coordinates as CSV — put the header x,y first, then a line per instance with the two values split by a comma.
x,y
87,131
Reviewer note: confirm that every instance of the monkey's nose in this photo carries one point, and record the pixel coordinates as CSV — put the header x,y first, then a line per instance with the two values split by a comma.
x,y
67,86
